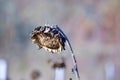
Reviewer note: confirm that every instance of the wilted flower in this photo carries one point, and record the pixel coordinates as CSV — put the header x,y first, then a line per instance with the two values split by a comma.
x,y
51,38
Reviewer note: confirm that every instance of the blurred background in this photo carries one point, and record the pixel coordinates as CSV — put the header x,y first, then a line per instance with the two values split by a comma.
x,y
92,26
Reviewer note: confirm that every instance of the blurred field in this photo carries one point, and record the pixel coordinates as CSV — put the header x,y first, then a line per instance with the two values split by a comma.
x,y
92,26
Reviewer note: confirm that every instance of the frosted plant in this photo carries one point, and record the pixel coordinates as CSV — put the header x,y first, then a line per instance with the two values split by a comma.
x,y
53,40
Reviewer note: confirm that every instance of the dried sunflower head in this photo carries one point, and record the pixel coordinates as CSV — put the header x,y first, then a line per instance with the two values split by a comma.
x,y
51,38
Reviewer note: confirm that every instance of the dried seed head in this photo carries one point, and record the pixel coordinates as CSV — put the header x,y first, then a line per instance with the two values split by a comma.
x,y
49,38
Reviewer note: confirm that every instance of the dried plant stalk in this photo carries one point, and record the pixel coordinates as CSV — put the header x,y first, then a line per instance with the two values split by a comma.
x,y
52,39
75,68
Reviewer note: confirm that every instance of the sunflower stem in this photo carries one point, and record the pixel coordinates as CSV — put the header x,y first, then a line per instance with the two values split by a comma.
x,y
75,68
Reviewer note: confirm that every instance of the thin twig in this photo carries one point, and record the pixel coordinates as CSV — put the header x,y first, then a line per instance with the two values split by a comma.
x,y
75,68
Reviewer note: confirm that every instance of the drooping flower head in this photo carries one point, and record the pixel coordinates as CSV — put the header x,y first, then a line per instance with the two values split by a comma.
x,y
51,38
